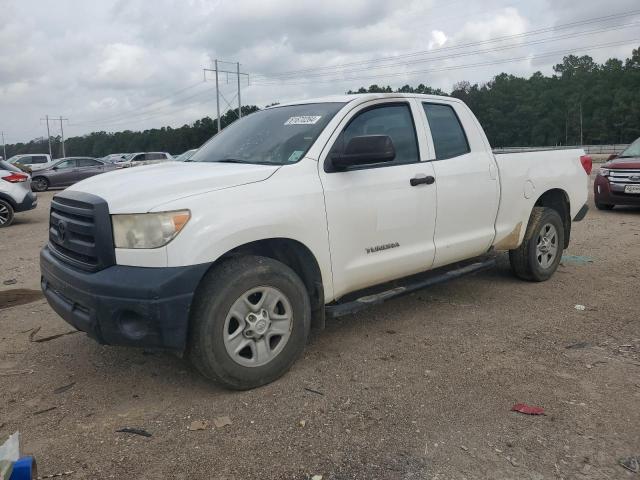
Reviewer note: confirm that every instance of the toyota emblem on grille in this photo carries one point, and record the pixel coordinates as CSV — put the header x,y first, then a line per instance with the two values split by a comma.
x,y
62,231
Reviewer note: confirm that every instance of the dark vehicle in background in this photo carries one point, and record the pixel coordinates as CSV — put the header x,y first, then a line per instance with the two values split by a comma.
x,y
68,171
618,181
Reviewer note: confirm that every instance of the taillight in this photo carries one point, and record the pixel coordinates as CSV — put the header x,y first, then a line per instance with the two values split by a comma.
x,y
587,163
16,178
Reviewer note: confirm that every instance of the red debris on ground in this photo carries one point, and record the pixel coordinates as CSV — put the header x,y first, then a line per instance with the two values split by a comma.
x,y
527,409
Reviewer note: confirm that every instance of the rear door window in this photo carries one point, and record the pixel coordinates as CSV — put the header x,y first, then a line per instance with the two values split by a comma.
x,y
449,139
35,159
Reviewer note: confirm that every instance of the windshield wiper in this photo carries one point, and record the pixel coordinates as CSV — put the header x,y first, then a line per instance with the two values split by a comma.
x,y
230,160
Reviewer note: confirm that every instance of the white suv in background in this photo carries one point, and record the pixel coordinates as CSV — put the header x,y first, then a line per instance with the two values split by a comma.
x,y
15,193
144,158
35,161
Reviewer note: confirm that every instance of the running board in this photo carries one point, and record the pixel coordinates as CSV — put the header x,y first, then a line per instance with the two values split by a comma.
x,y
346,308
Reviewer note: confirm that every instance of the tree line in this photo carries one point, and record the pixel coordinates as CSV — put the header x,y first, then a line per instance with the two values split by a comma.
x,y
582,102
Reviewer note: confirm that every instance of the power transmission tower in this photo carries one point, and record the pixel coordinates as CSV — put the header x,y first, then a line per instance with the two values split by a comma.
x,y
62,132
46,117
217,71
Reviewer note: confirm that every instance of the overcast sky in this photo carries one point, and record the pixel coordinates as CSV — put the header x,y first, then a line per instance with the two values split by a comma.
x,y
134,64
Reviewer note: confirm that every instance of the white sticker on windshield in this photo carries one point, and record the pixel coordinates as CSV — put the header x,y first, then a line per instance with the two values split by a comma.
x,y
295,156
303,120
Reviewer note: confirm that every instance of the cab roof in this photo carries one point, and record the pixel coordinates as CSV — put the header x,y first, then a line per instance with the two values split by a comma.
x,y
364,97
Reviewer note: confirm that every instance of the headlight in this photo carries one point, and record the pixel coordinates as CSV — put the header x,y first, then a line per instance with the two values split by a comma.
x,y
604,172
148,230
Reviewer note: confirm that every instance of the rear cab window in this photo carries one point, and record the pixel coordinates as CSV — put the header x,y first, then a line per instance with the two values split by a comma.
x,y
35,159
449,138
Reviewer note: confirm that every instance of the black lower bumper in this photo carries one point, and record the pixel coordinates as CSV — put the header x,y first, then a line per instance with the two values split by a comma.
x,y
29,202
123,305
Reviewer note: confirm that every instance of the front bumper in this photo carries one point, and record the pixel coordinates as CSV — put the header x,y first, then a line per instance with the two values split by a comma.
x,y
123,305
29,202
607,193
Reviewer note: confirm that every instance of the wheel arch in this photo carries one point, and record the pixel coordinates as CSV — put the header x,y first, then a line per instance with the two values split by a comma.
x,y
558,200
9,200
296,256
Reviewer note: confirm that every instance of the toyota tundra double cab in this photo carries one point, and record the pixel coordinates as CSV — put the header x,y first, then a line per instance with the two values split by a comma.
x,y
296,212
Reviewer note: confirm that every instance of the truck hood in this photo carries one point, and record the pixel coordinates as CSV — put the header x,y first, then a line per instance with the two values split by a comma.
x,y
632,162
140,189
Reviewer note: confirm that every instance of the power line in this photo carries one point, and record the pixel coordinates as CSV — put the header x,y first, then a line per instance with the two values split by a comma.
x,y
140,116
144,106
456,67
465,54
456,47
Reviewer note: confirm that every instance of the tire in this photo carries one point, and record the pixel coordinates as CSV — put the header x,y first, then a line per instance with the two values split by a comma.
x,y
6,214
533,259
604,206
215,346
39,184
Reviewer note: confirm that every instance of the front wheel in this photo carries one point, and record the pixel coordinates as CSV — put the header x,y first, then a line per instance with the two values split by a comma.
x,y
6,214
539,255
250,322
40,184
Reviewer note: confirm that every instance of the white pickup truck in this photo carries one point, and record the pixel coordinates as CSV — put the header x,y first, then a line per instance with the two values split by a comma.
x,y
295,212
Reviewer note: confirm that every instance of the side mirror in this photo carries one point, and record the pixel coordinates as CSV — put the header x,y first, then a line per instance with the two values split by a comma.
x,y
364,150
54,168
613,156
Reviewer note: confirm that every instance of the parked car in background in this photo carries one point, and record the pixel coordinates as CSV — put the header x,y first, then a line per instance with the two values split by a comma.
x,y
114,157
34,161
618,180
144,158
15,193
67,171
186,155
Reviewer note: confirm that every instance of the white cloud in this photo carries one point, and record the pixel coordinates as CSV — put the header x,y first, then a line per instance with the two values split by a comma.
x,y
95,62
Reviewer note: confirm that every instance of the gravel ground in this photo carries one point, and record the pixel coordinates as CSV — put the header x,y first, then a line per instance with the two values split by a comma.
x,y
420,387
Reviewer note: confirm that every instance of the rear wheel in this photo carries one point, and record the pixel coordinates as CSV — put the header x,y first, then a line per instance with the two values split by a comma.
x,y
539,255
6,214
604,206
40,184
250,322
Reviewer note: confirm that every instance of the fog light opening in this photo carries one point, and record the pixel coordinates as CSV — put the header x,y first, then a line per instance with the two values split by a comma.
x,y
133,325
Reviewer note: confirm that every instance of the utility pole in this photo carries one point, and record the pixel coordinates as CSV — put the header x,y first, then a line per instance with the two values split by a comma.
x,y
581,124
62,133
4,148
239,100
217,71
217,95
46,117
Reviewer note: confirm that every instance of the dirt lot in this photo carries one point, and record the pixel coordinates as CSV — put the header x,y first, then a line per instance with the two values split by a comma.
x,y
420,387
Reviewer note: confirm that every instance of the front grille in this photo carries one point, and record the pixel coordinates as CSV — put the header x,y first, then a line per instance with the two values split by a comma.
x,y
80,231
624,177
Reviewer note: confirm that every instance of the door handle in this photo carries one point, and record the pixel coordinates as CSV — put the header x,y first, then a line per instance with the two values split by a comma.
x,y
428,180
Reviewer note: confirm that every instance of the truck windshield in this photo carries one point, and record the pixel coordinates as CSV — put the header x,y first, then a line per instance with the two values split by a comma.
x,y
275,136
632,150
